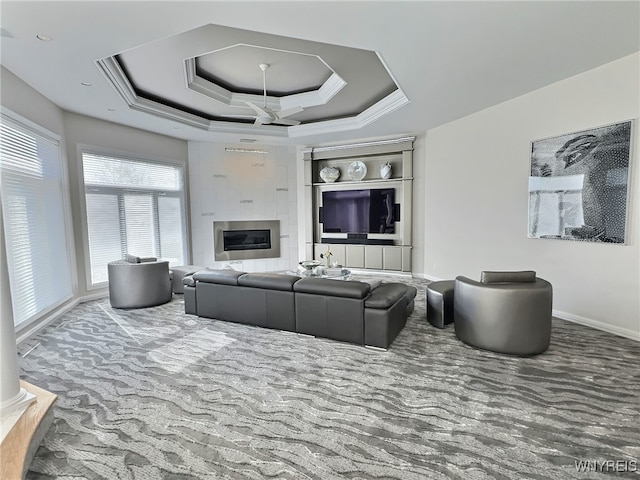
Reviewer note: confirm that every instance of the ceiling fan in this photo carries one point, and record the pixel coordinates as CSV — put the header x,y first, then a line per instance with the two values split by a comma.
x,y
265,115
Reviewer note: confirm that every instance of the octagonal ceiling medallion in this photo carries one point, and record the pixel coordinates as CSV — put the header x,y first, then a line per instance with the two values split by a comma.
x,y
229,80
313,83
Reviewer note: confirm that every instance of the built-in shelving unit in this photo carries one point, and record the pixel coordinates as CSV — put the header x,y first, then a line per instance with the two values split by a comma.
x,y
389,251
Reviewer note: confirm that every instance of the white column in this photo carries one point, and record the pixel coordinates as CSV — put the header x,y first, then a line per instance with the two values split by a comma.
x,y
13,399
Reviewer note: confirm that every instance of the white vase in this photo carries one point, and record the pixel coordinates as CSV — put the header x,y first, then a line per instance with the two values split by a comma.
x,y
329,174
385,171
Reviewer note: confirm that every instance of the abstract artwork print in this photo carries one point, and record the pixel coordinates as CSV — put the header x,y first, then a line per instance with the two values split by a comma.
x,y
578,186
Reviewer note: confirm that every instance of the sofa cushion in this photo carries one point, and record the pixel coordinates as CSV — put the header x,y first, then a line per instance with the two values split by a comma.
x,y
332,288
373,283
188,281
131,258
411,293
223,277
386,295
525,276
271,281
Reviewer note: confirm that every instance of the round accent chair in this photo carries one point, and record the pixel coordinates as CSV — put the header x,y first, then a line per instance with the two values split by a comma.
x,y
139,283
505,312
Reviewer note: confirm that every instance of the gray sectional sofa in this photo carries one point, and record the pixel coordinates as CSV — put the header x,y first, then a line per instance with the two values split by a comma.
x,y
348,311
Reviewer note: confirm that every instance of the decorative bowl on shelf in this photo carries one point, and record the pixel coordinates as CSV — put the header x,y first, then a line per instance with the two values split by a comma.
x,y
385,171
357,171
310,264
329,174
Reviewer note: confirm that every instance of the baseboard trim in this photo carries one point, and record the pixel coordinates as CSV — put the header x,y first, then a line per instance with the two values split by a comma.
x,y
426,276
388,273
570,317
588,322
44,322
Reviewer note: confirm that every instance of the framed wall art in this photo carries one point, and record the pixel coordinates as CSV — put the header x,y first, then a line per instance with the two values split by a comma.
x,y
578,186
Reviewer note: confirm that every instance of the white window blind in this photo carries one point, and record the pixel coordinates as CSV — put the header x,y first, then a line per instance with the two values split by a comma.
x,y
133,206
35,225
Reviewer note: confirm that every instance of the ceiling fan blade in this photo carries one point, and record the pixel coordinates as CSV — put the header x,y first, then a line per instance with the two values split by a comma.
x,y
287,122
259,110
289,111
238,116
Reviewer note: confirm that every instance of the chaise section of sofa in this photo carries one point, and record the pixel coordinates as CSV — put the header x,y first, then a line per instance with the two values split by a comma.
x,y
385,314
331,308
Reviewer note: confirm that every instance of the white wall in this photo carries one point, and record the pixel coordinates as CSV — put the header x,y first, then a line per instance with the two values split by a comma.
x,y
419,207
21,99
28,102
74,130
243,186
476,197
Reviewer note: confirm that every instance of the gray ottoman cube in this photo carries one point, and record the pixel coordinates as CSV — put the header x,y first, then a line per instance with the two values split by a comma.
x,y
179,272
440,303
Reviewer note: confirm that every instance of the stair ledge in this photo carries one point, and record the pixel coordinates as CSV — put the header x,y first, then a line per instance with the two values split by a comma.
x,y
21,443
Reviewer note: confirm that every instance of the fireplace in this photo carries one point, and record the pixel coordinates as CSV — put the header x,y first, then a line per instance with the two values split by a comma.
x,y
244,240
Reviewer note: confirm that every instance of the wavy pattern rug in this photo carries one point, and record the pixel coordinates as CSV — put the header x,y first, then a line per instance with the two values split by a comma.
x,y
154,393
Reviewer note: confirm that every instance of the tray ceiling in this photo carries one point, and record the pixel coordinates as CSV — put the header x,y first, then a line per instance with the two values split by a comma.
x,y
208,76
450,59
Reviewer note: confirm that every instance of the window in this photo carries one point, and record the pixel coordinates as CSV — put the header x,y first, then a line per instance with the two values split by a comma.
x,y
133,206
35,223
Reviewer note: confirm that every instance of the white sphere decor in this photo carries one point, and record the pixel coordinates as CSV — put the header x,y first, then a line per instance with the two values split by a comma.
x,y
385,171
329,174
357,171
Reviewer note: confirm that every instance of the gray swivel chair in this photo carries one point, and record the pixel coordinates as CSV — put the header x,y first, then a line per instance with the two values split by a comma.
x,y
139,283
505,312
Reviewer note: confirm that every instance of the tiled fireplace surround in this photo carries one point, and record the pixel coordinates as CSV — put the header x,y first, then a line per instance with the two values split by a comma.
x,y
243,186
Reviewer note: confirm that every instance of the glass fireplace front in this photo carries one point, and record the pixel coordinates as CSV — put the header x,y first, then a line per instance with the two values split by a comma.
x,y
246,240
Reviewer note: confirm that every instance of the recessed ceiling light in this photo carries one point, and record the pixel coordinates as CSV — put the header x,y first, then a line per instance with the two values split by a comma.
x,y
85,84
43,37
111,109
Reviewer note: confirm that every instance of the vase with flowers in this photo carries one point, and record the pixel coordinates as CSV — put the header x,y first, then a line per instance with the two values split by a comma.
x,y
327,256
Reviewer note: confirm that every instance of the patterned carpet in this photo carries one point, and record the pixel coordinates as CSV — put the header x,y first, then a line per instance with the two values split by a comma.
x,y
157,394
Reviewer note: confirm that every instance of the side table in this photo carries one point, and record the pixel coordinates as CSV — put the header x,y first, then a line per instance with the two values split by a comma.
x,y
440,303
179,272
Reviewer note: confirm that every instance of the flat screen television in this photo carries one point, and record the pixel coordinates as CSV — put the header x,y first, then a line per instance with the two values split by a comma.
x,y
358,211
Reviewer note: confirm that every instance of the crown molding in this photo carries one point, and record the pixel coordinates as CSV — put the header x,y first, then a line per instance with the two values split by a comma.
x,y
321,96
388,104
356,149
374,143
112,71
221,94
114,74
391,102
326,92
169,113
